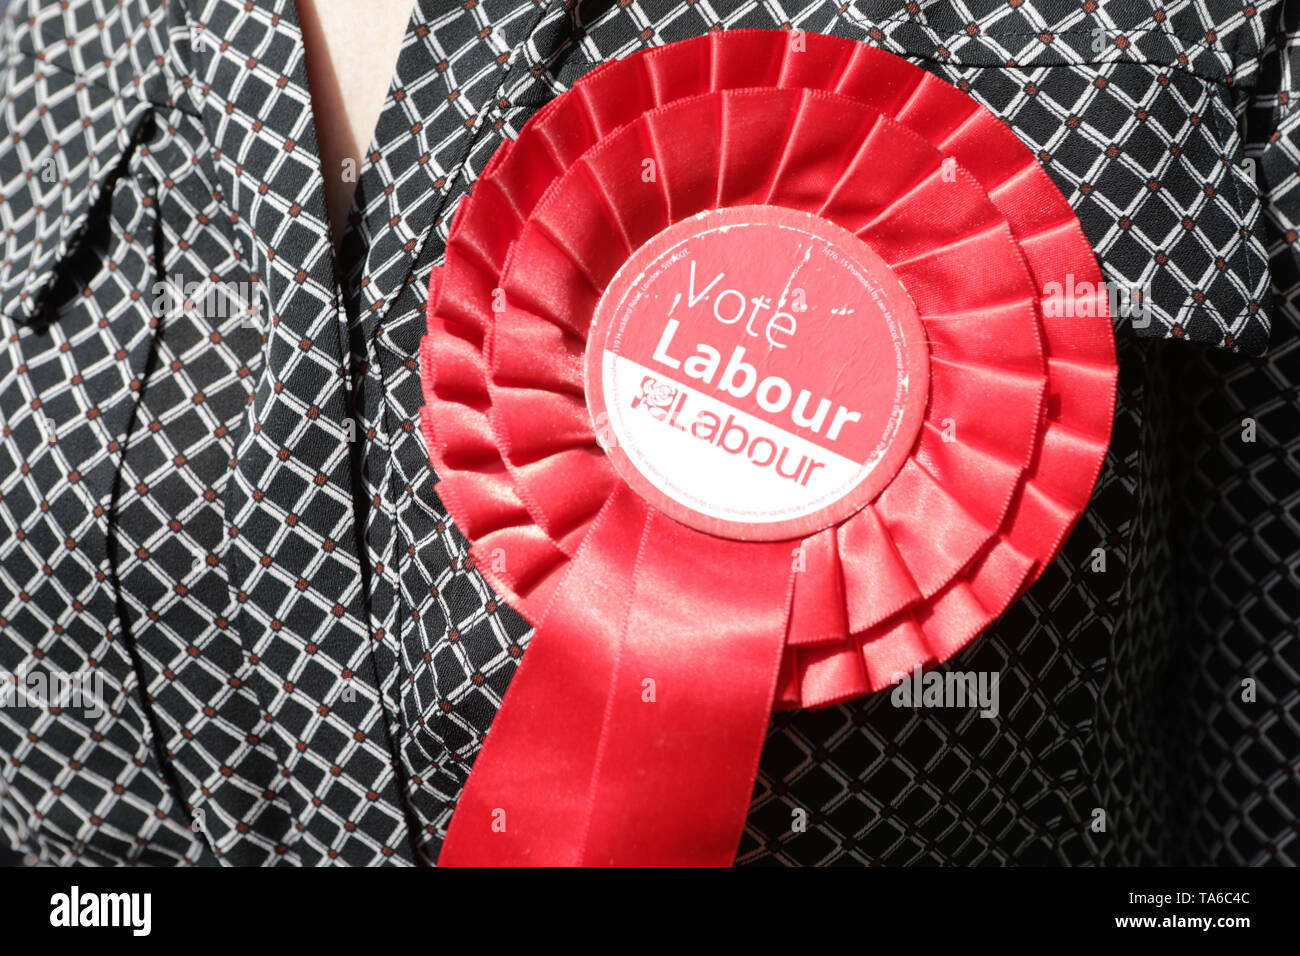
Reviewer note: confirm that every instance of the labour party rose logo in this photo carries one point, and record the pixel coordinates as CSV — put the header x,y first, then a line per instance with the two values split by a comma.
x,y
656,396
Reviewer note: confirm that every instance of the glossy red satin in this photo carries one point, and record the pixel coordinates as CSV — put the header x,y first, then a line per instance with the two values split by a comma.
x,y
656,765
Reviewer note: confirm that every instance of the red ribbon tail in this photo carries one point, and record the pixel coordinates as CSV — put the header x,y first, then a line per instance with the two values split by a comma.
x,y
632,731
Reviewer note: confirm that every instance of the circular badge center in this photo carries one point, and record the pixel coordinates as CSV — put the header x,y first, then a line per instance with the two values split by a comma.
x,y
756,372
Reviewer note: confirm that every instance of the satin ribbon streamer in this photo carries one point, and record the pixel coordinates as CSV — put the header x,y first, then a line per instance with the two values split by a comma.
x,y
661,703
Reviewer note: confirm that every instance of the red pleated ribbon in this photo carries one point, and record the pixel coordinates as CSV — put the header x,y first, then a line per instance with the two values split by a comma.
x,y
631,732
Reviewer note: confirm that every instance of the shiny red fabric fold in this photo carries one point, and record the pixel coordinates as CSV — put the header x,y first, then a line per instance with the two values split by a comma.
x,y
658,677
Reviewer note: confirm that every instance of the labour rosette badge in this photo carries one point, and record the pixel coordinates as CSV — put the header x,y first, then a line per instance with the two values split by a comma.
x,y
740,379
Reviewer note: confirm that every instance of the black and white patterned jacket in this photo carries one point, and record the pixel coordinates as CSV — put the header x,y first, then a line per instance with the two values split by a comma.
x,y
216,497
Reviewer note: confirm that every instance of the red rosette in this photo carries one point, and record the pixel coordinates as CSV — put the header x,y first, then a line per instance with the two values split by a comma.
x,y
1021,364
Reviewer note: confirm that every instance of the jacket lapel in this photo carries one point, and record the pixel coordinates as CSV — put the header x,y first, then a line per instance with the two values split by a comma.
x,y
293,557
437,105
